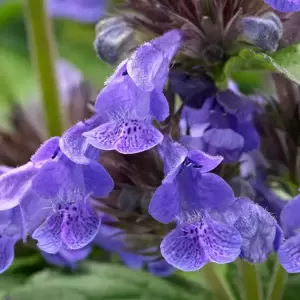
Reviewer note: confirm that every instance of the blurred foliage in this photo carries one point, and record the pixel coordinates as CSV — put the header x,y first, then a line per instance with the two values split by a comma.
x,y
98,281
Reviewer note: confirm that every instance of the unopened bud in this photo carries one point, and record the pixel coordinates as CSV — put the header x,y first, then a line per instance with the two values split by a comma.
x,y
263,32
114,40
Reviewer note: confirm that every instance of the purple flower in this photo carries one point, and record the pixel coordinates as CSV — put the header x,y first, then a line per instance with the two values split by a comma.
x,y
67,258
254,168
66,188
14,184
125,108
266,198
74,145
85,11
53,195
188,186
72,223
11,230
220,123
133,96
289,251
284,5
59,172
200,240
260,232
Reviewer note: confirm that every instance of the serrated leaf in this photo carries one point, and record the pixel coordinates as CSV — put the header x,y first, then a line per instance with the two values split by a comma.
x,y
285,61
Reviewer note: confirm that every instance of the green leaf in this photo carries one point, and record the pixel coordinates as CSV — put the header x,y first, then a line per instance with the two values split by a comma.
x,y
102,281
285,61
8,282
44,293
288,60
248,61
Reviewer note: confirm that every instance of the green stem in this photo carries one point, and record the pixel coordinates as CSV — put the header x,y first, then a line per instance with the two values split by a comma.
x,y
277,283
218,284
43,56
251,281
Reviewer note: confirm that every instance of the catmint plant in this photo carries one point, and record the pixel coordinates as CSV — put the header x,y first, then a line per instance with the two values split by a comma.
x,y
187,158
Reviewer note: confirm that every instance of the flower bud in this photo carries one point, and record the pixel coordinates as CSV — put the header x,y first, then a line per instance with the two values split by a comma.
x,y
114,39
263,32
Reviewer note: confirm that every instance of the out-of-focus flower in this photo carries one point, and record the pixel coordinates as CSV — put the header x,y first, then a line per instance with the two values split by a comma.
x,y
284,5
85,11
67,258
254,168
221,123
28,129
114,240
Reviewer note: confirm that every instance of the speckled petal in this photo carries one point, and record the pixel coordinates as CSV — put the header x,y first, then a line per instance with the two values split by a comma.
x,y
48,234
183,250
80,226
126,136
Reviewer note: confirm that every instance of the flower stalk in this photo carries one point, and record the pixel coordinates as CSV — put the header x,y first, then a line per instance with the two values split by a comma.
x,y
42,48
219,284
251,281
277,283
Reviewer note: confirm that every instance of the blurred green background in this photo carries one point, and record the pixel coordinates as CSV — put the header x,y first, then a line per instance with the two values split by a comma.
x,y
74,43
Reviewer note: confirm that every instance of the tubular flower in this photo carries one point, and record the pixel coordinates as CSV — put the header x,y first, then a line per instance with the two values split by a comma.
x,y
125,108
188,185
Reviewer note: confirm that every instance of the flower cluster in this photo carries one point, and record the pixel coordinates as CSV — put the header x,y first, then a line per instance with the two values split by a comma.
x,y
64,196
